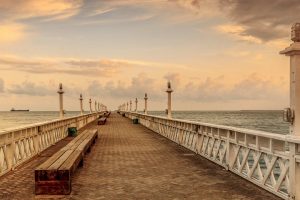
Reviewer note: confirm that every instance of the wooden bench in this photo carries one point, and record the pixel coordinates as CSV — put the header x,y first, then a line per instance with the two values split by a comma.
x,y
53,177
107,114
102,120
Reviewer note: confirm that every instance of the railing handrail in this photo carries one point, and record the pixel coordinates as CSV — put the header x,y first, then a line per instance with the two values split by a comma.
x,y
32,125
282,137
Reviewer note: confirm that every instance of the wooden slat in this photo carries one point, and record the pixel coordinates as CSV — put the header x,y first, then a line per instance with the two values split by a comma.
x,y
70,144
78,142
50,160
61,160
58,154
72,162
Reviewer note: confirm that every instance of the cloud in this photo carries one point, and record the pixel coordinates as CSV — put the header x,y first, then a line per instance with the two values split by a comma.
x,y
250,20
11,32
80,67
203,8
263,19
50,9
1,85
211,89
73,66
136,88
13,15
101,11
252,88
174,78
31,89
238,32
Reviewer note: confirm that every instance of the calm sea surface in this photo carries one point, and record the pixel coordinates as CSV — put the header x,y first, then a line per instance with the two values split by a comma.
x,y
15,119
270,121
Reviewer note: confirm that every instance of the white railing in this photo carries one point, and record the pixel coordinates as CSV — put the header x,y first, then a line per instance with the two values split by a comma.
x,y
18,145
268,160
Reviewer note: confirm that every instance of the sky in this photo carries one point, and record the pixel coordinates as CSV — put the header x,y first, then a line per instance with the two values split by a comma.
x,y
218,54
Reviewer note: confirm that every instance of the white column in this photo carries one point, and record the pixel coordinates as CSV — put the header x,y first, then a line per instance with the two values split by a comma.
x,y
130,105
96,106
127,107
81,105
136,104
169,91
61,103
90,106
293,51
146,99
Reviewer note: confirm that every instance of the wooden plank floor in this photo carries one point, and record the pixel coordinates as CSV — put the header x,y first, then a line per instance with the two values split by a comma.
x,y
131,162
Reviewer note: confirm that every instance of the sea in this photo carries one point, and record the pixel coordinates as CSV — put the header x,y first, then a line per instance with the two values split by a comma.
x,y
269,121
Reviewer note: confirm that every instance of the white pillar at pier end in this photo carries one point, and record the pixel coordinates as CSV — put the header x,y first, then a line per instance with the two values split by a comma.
x,y
169,91
96,106
81,105
293,116
61,103
293,51
127,107
136,104
146,99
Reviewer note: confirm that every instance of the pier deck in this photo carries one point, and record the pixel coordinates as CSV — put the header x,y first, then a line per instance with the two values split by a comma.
x,y
131,162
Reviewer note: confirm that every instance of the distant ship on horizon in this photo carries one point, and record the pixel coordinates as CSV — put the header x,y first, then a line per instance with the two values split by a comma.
x,y
15,110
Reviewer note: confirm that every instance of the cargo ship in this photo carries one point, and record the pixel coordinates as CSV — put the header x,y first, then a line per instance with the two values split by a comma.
x,y
15,110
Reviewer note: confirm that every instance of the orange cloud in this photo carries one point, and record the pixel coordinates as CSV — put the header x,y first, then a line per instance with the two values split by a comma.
x,y
58,9
11,32
237,32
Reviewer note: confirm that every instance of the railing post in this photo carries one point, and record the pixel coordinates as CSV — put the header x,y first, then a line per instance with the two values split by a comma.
x,y
293,113
36,139
146,99
11,152
61,108
169,91
81,106
90,106
136,104
130,105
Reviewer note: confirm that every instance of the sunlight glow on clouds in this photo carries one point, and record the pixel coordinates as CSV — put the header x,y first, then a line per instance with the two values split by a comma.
x,y
11,32
237,32
215,52
59,9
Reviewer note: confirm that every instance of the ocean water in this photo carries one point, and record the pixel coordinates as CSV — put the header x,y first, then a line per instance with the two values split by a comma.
x,y
15,119
269,121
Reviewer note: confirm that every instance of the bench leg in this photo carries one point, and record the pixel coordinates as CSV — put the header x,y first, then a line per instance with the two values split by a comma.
x,y
52,182
81,163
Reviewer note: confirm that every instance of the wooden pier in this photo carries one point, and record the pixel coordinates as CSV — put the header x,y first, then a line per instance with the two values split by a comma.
x,y
130,161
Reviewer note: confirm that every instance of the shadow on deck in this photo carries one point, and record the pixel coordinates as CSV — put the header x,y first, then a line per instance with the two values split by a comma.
x,y
131,162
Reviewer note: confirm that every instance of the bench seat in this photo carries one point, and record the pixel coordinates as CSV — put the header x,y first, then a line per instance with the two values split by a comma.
x,y
53,177
102,121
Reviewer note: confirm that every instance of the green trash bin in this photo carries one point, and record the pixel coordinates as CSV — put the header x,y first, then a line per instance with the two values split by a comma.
x,y
135,121
72,131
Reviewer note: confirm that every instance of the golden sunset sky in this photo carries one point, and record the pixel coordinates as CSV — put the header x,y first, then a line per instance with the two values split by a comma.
x,y
218,54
